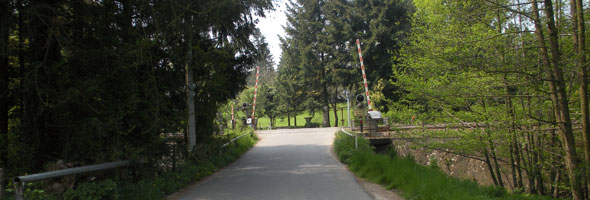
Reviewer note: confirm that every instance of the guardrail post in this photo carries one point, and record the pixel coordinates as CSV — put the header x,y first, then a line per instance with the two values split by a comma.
x,y
19,190
2,185
356,145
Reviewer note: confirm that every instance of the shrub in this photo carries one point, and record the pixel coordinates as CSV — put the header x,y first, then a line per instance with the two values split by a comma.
x,y
106,189
203,165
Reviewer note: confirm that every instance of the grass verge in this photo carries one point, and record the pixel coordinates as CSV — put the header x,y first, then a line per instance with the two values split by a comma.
x,y
414,180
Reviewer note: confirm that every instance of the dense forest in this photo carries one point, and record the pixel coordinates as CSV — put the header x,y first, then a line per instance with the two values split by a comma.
x,y
97,81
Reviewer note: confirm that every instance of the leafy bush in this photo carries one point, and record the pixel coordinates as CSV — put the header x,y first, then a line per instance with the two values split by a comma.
x,y
433,164
106,189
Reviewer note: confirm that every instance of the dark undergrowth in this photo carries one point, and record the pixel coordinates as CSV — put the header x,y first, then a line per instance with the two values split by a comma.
x,y
414,180
156,185
159,186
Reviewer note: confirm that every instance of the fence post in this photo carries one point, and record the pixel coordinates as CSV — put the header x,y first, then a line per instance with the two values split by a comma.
x,y
2,185
356,144
19,190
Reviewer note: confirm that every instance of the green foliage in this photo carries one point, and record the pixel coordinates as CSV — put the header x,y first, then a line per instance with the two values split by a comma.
x,y
106,189
433,164
96,81
320,58
468,62
344,146
414,180
33,191
157,186
267,73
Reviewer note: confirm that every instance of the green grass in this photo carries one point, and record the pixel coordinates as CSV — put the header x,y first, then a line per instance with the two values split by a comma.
x,y
414,180
317,119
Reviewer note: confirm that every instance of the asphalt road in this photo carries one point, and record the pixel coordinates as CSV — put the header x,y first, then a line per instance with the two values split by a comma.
x,y
285,164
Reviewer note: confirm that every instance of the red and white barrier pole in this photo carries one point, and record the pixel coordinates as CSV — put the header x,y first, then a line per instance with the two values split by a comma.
x,y
358,44
255,90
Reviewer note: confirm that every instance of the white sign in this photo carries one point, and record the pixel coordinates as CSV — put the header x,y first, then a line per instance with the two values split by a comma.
x,y
249,121
375,114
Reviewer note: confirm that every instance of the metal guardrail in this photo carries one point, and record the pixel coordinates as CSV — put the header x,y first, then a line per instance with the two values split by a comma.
x,y
356,144
234,139
19,182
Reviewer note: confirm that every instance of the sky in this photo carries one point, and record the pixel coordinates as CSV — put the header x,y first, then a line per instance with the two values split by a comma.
x,y
272,27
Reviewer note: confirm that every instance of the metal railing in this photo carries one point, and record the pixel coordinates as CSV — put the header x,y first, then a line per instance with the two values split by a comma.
x,y
356,144
234,139
19,182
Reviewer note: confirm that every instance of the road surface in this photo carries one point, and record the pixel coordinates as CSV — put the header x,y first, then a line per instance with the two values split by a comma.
x,y
285,164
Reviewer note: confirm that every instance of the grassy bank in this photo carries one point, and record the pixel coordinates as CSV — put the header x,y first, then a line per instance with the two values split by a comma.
x,y
147,184
414,180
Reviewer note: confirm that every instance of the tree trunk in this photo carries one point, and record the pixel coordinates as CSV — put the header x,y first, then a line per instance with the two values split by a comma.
x,y
539,159
498,177
488,162
557,86
518,156
288,120
295,120
326,115
325,98
495,159
21,58
555,111
334,106
271,125
579,41
513,167
528,163
555,160
536,148
512,131
556,183
4,32
190,99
